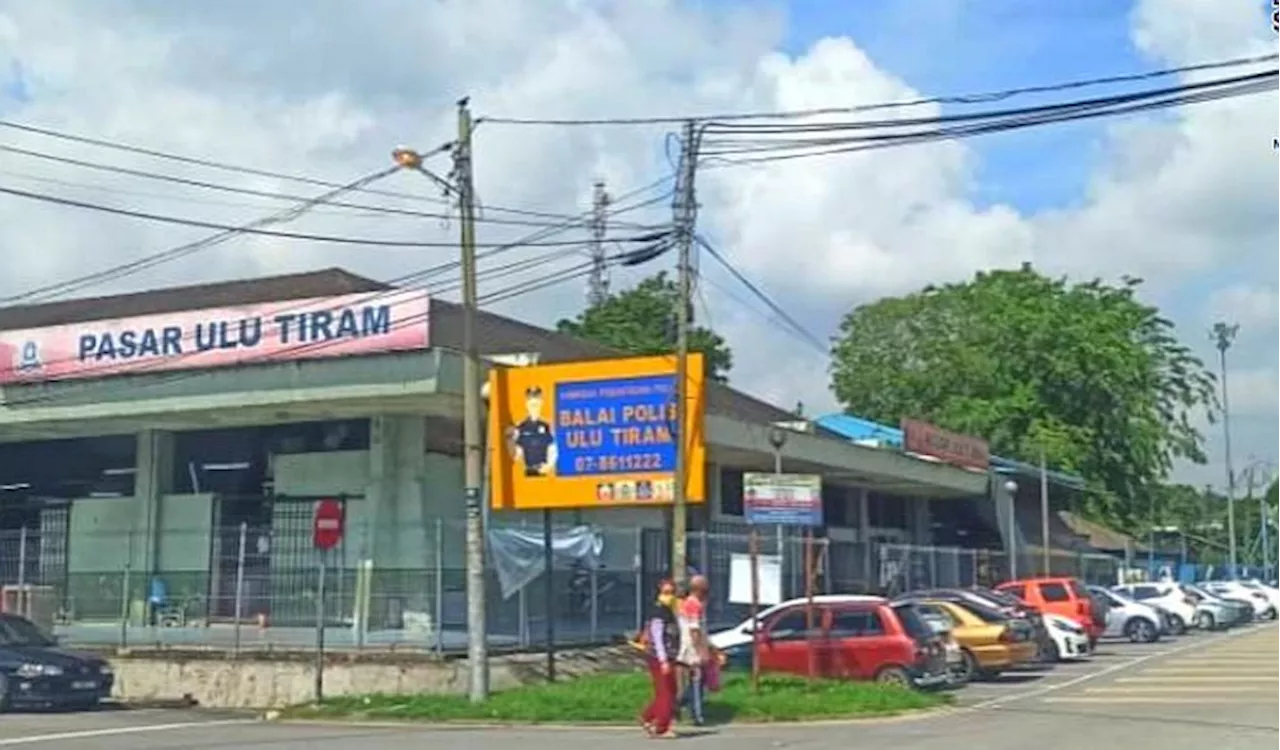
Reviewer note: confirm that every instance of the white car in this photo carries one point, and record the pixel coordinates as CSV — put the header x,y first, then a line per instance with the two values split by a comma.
x,y
741,633
1272,594
1263,606
1070,642
1167,596
1129,619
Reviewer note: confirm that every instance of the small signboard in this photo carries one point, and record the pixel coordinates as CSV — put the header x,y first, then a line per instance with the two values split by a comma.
x,y
782,499
326,531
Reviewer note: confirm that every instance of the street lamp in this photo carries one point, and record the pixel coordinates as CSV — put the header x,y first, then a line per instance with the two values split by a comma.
x,y
1223,336
1011,489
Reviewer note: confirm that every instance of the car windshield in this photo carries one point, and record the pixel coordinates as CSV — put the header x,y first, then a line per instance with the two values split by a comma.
x,y
15,631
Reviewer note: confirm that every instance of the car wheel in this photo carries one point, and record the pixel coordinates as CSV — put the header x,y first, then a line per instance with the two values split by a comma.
x,y
1270,614
968,668
4,694
1141,630
1205,621
1177,625
894,676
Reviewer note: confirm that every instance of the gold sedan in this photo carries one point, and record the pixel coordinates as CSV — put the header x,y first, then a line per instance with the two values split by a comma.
x,y
989,641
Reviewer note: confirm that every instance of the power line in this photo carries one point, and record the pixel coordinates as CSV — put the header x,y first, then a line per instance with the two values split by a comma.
x,y
245,229
794,325
212,164
954,99
784,149
186,249
273,195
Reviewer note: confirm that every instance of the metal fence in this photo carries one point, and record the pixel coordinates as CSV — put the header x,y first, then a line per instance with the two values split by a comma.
x,y
251,588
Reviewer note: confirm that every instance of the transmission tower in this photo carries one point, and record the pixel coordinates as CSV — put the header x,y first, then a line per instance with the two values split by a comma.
x,y
598,281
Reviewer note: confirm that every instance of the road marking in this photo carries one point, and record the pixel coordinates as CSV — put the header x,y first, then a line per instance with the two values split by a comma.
x,y
1232,668
1198,678
114,731
1136,689
1110,669
1199,700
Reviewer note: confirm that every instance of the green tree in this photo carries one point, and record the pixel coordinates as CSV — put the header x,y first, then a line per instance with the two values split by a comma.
x,y
641,320
1084,372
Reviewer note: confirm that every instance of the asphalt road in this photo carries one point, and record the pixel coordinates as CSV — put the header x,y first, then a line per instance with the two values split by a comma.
x,y
1199,691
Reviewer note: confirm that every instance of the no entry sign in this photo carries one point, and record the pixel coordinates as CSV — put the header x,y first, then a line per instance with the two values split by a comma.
x,y
326,529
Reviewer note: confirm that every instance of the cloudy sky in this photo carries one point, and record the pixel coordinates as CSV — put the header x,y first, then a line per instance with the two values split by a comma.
x,y
1185,199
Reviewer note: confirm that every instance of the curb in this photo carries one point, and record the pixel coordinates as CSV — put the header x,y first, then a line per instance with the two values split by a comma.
x,y
462,725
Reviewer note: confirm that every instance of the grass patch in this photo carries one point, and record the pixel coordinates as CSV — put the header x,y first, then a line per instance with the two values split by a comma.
x,y
619,698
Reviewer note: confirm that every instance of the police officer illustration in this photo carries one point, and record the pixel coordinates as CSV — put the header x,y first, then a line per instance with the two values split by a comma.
x,y
532,440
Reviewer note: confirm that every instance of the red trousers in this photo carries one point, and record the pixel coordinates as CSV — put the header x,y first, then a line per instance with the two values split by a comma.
x,y
662,709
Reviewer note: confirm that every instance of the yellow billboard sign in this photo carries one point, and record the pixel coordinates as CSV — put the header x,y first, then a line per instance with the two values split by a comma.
x,y
592,434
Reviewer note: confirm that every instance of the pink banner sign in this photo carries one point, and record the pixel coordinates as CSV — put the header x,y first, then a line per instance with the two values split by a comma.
x,y
317,328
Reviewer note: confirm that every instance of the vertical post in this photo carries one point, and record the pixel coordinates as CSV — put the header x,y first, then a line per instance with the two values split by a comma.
x,y
686,208
22,567
808,605
595,605
639,578
125,585
1265,537
1047,550
239,603
753,552
779,439
319,668
439,585
548,559
598,281
477,643
1224,335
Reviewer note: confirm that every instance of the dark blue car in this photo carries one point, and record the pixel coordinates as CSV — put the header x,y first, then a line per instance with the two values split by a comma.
x,y
34,671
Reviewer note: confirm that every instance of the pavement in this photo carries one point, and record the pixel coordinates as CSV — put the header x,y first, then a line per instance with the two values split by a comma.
x,y
1202,690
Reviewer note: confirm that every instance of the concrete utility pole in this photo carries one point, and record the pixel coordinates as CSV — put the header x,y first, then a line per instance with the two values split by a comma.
x,y
598,281
1223,336
473,455
685,209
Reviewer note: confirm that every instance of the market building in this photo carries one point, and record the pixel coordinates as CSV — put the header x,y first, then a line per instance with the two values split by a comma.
x,y
142,432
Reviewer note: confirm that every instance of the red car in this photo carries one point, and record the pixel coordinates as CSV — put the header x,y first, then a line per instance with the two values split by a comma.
x,y
1067,597
863,640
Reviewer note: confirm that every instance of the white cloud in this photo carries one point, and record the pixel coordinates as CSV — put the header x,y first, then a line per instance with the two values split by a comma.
x,y
1252,306
330,92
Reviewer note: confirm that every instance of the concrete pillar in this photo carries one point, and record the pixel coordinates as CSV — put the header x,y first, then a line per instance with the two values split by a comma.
x,y
154,480
398,534
921,520
1003,500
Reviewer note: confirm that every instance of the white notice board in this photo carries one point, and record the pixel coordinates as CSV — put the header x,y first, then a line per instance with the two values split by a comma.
x,y
770,567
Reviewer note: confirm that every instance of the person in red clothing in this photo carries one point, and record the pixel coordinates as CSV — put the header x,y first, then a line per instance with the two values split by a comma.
x,y
661,634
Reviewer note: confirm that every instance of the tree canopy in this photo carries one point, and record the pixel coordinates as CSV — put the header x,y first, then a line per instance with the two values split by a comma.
x,y
641,320
1084,372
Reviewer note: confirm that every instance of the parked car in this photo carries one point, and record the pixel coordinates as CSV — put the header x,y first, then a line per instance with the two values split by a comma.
x,y
34,671
1127,618
730,638
990,641
1067,597
1006,603
1263,607
1236,612
1270,593
854,640
1166,596
1070,641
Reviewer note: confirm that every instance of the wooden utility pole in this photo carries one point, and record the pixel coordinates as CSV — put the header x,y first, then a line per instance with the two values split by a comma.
x,y
686,211
473,451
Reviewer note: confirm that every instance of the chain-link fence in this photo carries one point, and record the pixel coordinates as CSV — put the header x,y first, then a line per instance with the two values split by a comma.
x,y
251,588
